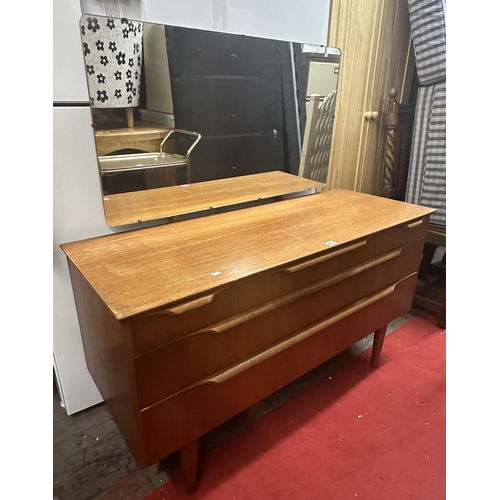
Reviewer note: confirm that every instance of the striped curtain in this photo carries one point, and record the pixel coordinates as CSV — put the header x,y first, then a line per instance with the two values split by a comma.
x,y
427,171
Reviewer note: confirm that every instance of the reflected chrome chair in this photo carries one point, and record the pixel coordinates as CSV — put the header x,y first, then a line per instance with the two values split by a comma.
x,y
122,169
179,158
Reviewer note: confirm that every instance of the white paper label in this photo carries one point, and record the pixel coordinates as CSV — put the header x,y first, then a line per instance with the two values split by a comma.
x,y
330,243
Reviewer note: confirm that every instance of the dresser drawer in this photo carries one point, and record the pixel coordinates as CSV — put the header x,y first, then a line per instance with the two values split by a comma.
x,y
160,327
186,361
183,417
264,287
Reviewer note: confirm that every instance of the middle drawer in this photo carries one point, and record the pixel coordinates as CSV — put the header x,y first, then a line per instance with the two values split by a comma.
x,y
187,360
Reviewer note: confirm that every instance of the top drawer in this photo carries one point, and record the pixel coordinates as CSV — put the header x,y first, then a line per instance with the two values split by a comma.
x,y
261,288
195,313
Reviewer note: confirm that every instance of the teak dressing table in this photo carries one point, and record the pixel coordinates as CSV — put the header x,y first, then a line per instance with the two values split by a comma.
x,y
185,325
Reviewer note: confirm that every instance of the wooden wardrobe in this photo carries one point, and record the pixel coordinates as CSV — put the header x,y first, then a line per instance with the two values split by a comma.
x,y
376,55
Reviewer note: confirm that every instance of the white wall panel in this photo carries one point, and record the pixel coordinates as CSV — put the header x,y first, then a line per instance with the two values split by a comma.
x,y
78,214
188,13
69,82
293,20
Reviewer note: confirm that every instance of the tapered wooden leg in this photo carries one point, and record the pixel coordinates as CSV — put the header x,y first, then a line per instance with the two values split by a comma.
x,y
378,342
130,117
189,461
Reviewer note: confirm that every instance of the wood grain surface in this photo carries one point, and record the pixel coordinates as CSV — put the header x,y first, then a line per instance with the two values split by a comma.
x,y
204,405
176,201
197,355
145,137
374,59
139,271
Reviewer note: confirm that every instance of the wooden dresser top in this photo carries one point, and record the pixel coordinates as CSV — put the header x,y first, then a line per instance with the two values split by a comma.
x,y
138,271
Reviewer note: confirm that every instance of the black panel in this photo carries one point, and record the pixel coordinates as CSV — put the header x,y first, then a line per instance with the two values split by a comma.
x,y
236,91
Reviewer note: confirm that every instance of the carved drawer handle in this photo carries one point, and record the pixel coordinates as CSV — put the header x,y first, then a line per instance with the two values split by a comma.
x,y
417,223
275,304
187,306
302,335
298,337
322,258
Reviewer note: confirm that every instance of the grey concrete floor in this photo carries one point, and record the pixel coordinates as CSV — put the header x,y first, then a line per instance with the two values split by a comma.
x,y
91,460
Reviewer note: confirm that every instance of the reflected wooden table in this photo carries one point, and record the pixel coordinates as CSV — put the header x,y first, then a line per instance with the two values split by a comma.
x,y
143,137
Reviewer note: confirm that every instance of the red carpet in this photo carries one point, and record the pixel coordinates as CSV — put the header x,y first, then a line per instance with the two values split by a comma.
x,y
363,433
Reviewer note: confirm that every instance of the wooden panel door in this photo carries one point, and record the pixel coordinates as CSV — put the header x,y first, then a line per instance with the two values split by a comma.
x,y
375,40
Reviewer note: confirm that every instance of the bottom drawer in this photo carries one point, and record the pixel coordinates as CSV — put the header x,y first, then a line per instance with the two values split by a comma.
x,y
179,419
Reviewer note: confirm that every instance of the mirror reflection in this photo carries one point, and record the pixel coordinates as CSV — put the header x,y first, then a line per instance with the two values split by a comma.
x,y
174,106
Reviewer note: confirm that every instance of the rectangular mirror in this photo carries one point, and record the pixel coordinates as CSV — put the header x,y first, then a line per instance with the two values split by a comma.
x,y
175,109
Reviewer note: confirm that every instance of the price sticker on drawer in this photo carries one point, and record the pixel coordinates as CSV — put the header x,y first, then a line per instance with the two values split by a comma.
x,y
330,243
